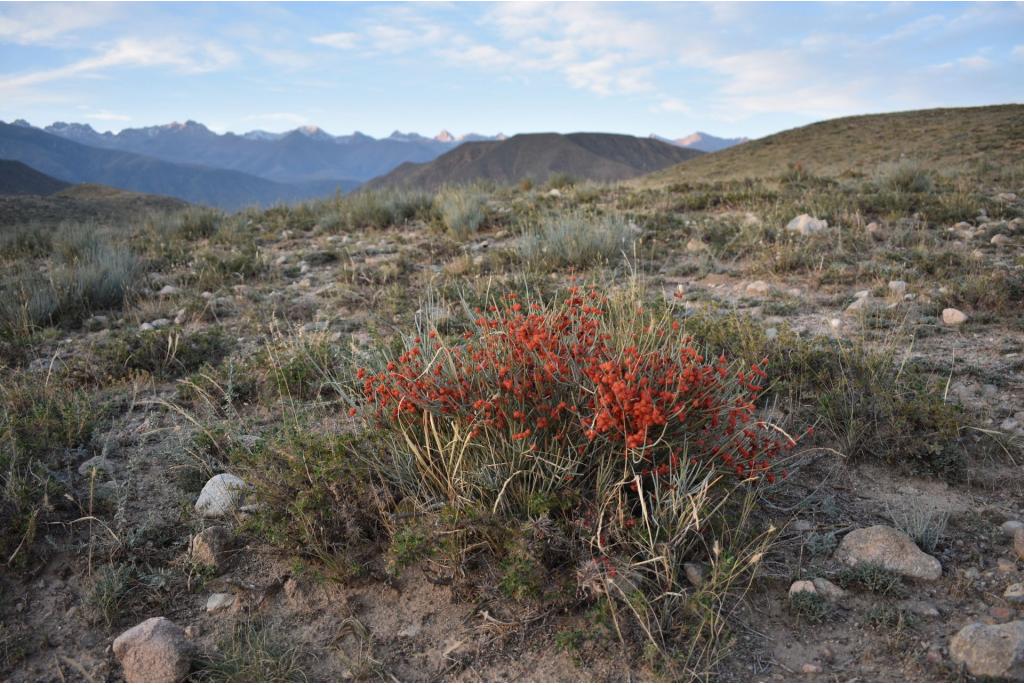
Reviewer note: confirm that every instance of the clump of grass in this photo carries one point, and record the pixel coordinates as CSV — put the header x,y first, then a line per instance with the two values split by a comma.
x,y
575,239
810,606
462,209
906,176
373,209
164,354
873,579
254,651
924,525
109,594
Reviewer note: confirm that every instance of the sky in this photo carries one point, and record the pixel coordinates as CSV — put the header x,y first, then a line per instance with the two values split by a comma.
x,y
729,69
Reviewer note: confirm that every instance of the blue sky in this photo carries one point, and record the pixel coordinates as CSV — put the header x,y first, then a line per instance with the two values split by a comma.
x,y
728,69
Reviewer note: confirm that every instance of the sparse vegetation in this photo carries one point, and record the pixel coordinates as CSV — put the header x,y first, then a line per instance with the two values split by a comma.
x,y
575,240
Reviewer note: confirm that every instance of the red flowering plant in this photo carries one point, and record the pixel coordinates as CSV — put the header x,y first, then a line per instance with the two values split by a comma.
x,y
568,386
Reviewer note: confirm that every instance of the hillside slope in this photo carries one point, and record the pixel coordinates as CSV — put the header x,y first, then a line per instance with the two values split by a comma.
x,y
222,188
85,202
938,138
17,178
538,156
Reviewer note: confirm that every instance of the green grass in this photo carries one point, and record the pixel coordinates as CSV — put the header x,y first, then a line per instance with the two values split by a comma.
x,y
254,651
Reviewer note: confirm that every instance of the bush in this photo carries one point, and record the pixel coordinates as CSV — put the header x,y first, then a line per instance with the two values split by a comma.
x,y
164,354
462,209
575,239
905,177
374,209
592,422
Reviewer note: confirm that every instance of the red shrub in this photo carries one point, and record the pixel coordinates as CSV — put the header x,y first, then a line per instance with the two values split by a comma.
x,y
584,378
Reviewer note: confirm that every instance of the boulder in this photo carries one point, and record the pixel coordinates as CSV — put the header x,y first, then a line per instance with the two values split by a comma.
x,y
221,495
890,549
995,651
802,586
953,317
211,547
155,651
805,224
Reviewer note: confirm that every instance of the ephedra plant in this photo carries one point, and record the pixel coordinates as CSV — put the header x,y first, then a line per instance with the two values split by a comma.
x,y
600,417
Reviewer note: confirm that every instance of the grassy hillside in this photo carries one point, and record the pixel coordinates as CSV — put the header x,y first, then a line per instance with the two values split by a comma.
x,y
83,202
538,156
943,139
20,179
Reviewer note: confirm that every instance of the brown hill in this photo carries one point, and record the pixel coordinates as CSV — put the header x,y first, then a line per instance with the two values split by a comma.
x,y
85,202
538,156
17,178
941,139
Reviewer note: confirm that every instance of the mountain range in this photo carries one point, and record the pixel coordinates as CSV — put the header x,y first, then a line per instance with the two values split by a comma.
x,y
538,156
307,153
705,142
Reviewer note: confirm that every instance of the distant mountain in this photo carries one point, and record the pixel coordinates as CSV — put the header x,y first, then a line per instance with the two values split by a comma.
x,y
705,142
78,163
20,179
537,156
307,153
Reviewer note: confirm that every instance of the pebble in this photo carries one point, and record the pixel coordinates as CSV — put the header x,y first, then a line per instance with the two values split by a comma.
x,y
168,290
1015,593
811,668
694,573
1000,240
1018,543
953,317
219,601
1010,527
759,288
801,586
898,288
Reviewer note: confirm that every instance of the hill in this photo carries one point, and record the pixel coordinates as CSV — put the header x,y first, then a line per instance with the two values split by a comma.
x,y
304,154
222,188
538,156
938,138
20,179
83,202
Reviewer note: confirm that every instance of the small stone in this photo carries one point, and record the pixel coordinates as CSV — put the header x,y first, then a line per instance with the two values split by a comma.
x,y
875,231
97,323
864,301
155,651
1008,198
889,548
179,318
696,245
146,327
168,290
211,547
810,668
221,495
694,574
953,317
898,288
805,224
100,463
1000,240
920,608
1001,614
1006,565
160,323
771,333
800,586
554,192
1014,593
759,288
829,590
1010,527
219,601
1018,543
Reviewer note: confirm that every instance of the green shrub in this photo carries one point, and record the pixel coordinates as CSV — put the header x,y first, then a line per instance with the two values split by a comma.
x,y
462,209
575,239
165,354
906,176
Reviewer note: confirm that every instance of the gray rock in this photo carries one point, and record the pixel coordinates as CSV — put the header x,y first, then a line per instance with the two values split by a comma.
x,y
219,601
800,586
1001,240
694,574
212,547
990,651
889,548
168,290
155,651
160,323
221,495
1010,527
97,323
100,463
898,288
805,224
826,588
1014,593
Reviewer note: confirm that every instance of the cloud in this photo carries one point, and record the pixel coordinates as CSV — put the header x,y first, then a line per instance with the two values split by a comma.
x,y
131,52
672,105
46,23
105,115
1018,51
341,41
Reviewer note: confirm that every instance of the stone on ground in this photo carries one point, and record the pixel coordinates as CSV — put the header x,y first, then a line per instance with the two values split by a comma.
x,y
802,586
155,651
990,651
890,549
953,317
211,547
805,224
221,495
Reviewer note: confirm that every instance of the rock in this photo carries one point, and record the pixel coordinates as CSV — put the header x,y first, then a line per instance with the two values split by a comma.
x,y
211,547
759,288
696,245
160,323
898,288
802,586
953,317
97,323
1014,593
146,327
889,548
805,224
990,651
1006,565
1001,240
99,462
694,574
168,290
920,608
1000,614
1018,543
829,590
1008,198
771,333
810,668
155,651
875,231
554,192
863,302
180,317
219,601
1010,527
221,495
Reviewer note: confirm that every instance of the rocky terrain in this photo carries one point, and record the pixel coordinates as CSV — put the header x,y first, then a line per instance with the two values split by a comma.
x,y
195,485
